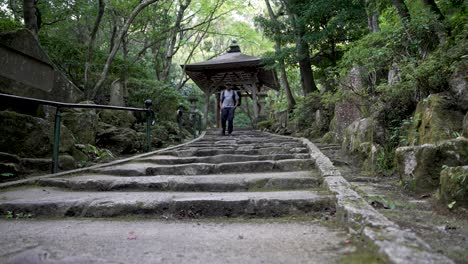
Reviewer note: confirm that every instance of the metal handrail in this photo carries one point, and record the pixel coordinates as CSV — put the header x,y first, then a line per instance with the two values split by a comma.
x,y
149,118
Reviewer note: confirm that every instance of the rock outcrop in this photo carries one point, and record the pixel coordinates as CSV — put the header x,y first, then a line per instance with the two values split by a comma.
x,y
435,119
419,167
454,185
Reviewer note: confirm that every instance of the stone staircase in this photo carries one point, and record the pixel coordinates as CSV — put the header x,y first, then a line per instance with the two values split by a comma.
x,y
251,174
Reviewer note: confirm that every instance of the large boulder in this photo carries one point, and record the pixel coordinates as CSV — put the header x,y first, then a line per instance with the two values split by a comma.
x,y
360,131
419,167
119,140
458,87
359,139
454,185
435,119
117,118
346,112
77,119
28,136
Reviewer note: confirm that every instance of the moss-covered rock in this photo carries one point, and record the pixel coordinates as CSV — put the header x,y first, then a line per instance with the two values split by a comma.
x,y
119,140
117,118
77,119
67,162
28,136
419,167
454,185
435,119
360,131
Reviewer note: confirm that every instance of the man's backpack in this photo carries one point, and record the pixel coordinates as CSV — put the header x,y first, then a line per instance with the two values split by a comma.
x,y
234,98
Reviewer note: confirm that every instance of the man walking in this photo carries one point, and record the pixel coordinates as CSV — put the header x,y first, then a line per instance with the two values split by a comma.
x,y
229,100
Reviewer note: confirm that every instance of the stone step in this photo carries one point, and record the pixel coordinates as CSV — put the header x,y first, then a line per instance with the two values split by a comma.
x,y
171,160
50,202
236,147
199,183
150,169
224,144
215,151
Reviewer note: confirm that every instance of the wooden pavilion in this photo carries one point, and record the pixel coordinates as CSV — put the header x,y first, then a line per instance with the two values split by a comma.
x,y
245,73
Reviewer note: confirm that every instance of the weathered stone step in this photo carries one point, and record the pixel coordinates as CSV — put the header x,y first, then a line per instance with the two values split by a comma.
x,y
245,140
242,149
215,151
50,202
150,169
224,144
200,183
171,160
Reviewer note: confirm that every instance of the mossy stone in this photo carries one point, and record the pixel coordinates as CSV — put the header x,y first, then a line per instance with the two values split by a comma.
x,y
419,167
454,185
28,136
117,118
435,120
83,124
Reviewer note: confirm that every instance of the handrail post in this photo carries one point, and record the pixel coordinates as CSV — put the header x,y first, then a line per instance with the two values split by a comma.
x,y
150,120
148,131
56,146
194,122
199,124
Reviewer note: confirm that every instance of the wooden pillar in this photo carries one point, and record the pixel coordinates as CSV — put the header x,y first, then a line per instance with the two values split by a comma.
x,y
218,111
255,101
207,109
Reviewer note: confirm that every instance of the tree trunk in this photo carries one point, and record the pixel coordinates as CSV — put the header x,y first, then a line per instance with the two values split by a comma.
x,y
124,73
121,34
307,76
283,76
172,41
30,18
402,11
434,8
303,54
372,16
89,54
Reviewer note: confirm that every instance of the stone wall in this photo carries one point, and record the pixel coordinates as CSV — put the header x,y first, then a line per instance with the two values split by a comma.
x,y
26,70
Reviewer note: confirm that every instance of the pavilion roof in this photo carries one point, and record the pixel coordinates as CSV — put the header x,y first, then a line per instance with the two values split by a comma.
x,y
233,67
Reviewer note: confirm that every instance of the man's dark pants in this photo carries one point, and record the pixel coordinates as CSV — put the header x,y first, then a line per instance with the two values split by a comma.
x,y
227,114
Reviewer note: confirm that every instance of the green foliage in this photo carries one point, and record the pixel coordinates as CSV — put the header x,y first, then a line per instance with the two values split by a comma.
x,y
97,154
7,175
12,215
165,97
385,159
266,124
8,24
304,113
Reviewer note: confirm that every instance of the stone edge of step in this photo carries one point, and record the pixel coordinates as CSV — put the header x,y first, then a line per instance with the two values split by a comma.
x,y
399,246
71,172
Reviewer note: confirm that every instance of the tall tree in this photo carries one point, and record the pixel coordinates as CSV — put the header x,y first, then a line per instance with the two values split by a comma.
x,y
172,40
402,11
372,16
92,39
434,8
281,65
30,16
302,48
116,46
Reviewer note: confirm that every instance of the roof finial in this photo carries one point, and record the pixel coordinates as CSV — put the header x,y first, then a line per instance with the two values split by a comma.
x,y
234,47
